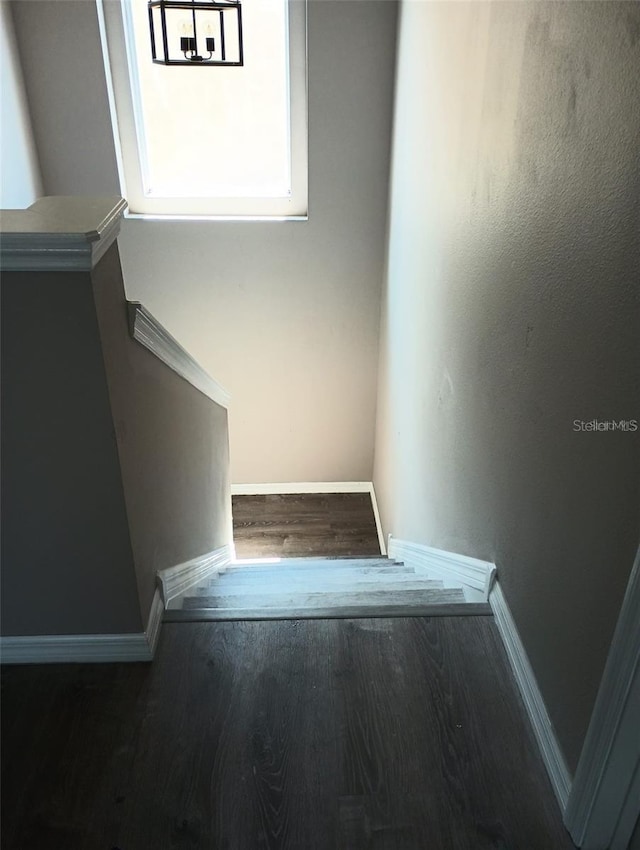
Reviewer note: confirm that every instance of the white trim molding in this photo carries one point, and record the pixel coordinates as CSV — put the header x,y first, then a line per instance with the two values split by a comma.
x,y
605,800
93,649
53,649
59,233
152,632
459,569
175,580
541,722
148,331
291,488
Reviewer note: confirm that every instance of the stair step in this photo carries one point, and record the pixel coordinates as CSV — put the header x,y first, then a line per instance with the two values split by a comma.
x,y
293,577
202,615
362,600
312,564
250,574
319,584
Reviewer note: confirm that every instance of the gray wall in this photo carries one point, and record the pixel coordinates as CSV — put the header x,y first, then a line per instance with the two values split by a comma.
x,y
114,467
20,182
284,315
511,310
67,563
635,838
173,446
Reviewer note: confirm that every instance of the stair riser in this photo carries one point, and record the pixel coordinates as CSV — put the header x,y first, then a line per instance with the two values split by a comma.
x,y
222,588
468,609
314,564
306,600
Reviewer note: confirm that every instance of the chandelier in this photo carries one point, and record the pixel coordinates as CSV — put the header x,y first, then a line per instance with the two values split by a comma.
x,y
196,32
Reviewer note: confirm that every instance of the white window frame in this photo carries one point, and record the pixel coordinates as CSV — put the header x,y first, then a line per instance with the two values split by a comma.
x,y
128,128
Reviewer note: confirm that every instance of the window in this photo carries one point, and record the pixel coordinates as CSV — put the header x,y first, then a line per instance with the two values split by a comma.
x,y
211,141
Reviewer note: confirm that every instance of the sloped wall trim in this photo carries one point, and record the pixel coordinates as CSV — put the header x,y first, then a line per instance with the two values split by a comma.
x,y
534,703
447,565
604,805
148,331
175,580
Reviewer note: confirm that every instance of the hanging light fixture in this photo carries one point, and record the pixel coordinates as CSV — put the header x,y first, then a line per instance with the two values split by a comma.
x,y
196,32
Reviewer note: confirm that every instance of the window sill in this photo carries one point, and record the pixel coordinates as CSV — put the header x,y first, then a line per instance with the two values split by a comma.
x,y
221,218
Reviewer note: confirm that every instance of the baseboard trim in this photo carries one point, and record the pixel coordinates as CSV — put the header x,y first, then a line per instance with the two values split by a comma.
x,y
148,331
603,806
291,488
175,580
89,649
376,514
446,565
152,632
532,698
65,649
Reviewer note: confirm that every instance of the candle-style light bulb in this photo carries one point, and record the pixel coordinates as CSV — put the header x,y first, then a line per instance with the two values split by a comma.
x,y
210,41
186,35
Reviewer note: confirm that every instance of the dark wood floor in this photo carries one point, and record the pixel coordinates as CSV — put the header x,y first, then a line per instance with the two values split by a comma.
x,y
304,525
402,734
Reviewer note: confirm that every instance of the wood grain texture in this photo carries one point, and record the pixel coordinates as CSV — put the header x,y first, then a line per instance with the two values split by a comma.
x,y
304,524
388,734
321,612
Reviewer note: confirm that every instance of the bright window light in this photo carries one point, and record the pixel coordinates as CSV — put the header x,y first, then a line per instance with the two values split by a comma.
x,y
211,141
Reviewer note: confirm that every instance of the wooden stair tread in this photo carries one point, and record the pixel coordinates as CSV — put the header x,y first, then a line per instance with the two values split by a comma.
x,y
466,609
288,586
386,597
326,581
313,563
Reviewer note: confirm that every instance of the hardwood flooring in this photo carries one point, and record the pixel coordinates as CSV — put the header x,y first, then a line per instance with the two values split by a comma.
x,y
396,734
307,524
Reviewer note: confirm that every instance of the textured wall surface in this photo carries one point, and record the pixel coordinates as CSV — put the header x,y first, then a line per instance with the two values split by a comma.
x,y
511,310
285,315
20,182
173,445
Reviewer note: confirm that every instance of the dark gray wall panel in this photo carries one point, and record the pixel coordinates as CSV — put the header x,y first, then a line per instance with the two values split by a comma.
x,y
67,563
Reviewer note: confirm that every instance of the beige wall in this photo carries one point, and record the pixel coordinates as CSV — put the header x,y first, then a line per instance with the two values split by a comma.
x,y
20,182
284,315
511,309
173,446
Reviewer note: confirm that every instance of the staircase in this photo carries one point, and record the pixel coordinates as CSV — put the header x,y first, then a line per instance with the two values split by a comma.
x,y
305,588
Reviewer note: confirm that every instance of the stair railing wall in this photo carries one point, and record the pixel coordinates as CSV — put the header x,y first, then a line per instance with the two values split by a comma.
x,y
115,465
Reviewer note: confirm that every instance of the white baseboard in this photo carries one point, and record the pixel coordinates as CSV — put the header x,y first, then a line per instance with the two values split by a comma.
x,y
152,632
175,580
90,649
458,569
52,649
534,703
605,798
148,331
376,514
291,488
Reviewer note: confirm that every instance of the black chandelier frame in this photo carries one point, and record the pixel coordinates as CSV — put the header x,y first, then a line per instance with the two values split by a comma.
x,y
189,45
